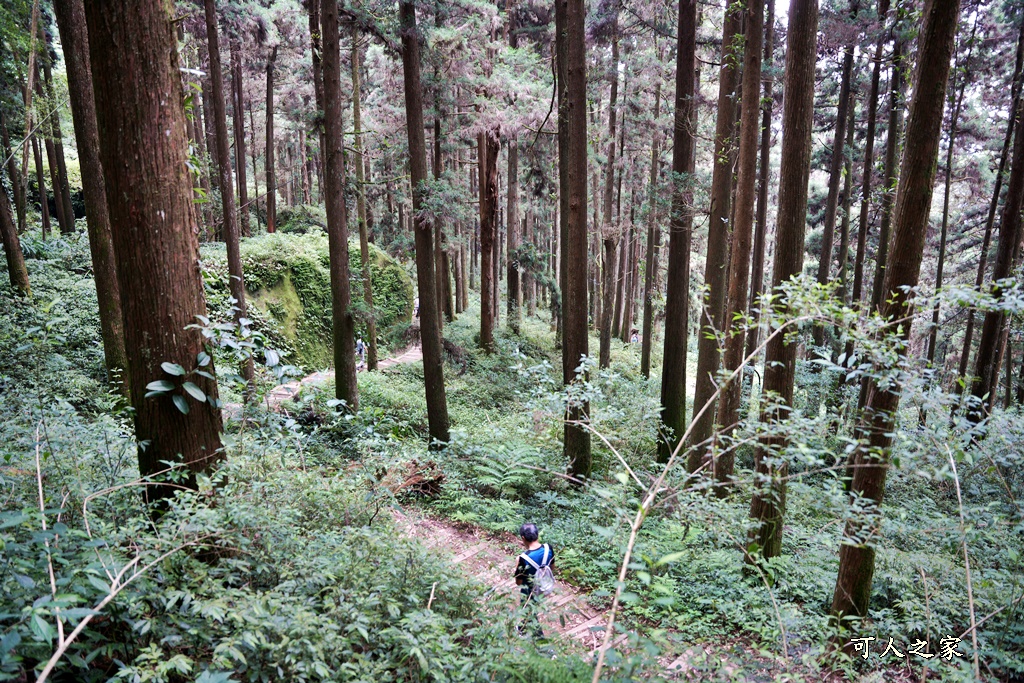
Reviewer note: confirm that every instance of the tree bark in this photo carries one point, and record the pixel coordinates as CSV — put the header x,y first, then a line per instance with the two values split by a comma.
x,y
343,323
44,203
768,504
238,119
62,189
269,156
513,234
16,270
913,202
743,224
364,240
488,147
74,39
677,295
834,178
570,17
141,122
653,239
430,333
236,279
712,313
14,174
610,229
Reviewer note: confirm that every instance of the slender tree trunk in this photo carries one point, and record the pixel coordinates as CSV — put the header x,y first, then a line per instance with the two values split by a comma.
x,y
834,178
238,118
913,203
610,229
993,206
343,323
364,241
255,175
236,279
205,210
271,172
627,299
16,270
74,40
618,284
62,189
439,272
141,123
513,233
430,334
986,371
44,203
677,296
209,138
14,174
844,226
743,224
66,227
712,313
653,239
488,147
30,74
768,504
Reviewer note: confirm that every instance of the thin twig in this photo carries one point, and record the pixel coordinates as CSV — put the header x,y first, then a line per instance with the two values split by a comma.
x,y
967,564
46,542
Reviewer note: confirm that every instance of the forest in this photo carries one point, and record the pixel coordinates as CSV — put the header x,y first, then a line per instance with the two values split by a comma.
x,y
311,308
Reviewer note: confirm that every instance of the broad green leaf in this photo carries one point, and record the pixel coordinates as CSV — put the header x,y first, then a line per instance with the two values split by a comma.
x,y
173,369
194,391
180,403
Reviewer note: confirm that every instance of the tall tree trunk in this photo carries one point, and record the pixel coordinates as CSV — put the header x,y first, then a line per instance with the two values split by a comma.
x,y
913,203
743,224
205,210
30,75
513,234
236,279
430,334
439,274
66,226
141,123
271,172
238,119
570,15
255,175
75,41
627,299
677,295
364,240
16,270
986,371
619,282
844,226
712,313
993,206
44,203
653,238
62,189
834,178
14,174
610,229
768,504
343,323
488,147
954,120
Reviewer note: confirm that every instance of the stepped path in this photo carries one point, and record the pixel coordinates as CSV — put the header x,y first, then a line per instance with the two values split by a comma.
x,y
491,558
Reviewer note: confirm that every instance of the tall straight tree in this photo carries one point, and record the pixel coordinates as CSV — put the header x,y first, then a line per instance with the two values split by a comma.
x,y
570,16
835,175
712,313
768,504
513,233
742,229
653,239
364,238
343,323
430,328
270,170
74,40
488,146
61,188
13,173
238,124
764,169
134,58
677,295
913,204
236,279
610,227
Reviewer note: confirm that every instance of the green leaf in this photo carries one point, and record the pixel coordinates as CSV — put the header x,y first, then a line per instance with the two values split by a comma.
x,y
180,403
159,386
41,628
202,359
670,558
194,391
173,369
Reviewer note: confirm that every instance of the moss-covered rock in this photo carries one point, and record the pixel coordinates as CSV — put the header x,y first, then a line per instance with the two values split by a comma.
x,y
288,281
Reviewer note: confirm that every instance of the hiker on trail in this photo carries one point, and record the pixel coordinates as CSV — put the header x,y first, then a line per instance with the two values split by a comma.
x,y
361,351
533,575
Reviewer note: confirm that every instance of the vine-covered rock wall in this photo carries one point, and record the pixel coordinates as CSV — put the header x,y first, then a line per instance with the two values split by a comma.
x,y
287,278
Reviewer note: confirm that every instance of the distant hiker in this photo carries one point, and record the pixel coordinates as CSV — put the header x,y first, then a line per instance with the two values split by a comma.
x,y
533,575
416,307
634,338
361,351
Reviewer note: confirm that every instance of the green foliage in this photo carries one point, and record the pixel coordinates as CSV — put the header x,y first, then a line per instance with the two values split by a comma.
x,y
288,280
